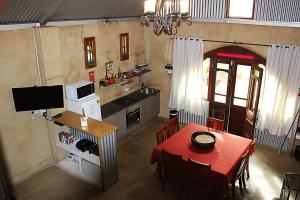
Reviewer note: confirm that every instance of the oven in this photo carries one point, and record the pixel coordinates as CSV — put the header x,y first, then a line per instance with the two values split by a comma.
x,y
133,115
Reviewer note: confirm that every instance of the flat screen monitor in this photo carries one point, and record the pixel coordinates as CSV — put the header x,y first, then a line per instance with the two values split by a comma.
x,y
36,98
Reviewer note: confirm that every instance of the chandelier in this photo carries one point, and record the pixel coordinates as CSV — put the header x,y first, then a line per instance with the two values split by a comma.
x,y
166,15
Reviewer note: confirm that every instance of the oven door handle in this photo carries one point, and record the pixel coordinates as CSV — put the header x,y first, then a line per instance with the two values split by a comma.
x,y
132,113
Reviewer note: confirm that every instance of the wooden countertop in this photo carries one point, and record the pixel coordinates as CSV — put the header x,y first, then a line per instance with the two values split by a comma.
x,y
95,127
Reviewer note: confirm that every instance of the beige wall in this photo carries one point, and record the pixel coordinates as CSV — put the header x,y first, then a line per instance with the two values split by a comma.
x,y
107,49
159,48
23,141
28,145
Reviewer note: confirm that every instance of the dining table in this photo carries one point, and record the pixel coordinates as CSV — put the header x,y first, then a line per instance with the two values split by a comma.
x,y
224,157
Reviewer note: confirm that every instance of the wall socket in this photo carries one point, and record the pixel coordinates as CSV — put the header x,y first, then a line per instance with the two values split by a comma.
x,y
36,112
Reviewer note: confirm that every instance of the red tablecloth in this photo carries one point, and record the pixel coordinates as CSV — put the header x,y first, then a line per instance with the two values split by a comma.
x,y
223,158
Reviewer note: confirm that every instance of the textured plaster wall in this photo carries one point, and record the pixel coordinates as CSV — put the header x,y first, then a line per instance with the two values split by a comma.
x,y
28,145
107,49
24,143
159,48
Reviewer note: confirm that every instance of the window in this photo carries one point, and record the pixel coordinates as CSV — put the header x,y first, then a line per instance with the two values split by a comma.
x,y
240,9
90,52
124,46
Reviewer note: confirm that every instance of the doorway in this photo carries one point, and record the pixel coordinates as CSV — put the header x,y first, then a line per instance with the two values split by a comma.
x,y
234,86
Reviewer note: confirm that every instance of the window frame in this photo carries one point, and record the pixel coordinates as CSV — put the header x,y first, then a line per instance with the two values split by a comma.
x,y
90,42
124,46
228,7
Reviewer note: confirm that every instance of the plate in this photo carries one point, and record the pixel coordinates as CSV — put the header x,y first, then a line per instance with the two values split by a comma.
x,y
203,140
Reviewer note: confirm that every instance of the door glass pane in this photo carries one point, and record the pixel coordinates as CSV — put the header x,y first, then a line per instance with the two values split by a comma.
x,y
242,81
220,98
221,82
256,73
239,102
254,94
205,79
223,66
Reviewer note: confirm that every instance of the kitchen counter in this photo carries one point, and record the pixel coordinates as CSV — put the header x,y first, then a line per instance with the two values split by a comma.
x,y
96,128
121,103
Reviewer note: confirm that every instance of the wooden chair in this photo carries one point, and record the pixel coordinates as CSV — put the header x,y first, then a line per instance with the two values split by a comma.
x,y
214,123
161,135
290,187
172,169
198,174
239,175
251,151
173,126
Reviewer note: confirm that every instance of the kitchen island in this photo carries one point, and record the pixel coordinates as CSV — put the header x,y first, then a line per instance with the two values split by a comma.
x,y
101,169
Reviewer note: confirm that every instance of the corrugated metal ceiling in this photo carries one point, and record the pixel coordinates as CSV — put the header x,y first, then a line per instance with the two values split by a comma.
x,y
26,11
43,11
93,9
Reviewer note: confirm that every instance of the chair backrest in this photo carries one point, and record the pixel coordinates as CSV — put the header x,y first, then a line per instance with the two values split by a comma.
x,y
216,124
161,135
198,172
171,164
242,164
173,126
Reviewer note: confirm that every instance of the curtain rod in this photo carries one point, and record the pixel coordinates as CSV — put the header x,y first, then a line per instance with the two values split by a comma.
x,y
254,44
220,41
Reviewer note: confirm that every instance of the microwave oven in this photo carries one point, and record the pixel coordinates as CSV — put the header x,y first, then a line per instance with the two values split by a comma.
x,y
80,90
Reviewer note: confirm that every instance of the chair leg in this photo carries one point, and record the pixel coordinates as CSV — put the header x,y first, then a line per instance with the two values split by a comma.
x,y
158,171
189,190
163,185
244,182
179,184
241,184
247,170
233,190
163,182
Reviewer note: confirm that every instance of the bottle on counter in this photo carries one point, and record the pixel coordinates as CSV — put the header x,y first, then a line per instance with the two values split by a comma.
x,y
119,73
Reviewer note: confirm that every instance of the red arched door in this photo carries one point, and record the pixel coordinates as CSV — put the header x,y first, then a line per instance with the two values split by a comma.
x,y
234,88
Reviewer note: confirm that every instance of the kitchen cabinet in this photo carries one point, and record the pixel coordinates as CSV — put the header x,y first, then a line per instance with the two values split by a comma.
x,y
149,108
145,109
119,119
156,100
111,119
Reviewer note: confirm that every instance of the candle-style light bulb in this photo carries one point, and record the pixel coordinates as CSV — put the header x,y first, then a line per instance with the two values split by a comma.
x,y
184,6
149,6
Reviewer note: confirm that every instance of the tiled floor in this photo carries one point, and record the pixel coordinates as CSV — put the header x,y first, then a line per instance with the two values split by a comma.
x,y
137,179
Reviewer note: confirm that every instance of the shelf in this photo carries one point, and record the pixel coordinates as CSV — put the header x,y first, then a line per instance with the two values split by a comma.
x,y
86,171
124,81
120,83
85,155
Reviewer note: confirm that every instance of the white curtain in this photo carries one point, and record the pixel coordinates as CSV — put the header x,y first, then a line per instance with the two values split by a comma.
x,y
186,88
278,103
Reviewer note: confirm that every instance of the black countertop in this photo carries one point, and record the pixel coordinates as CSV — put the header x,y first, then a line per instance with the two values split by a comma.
x,y
121,103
